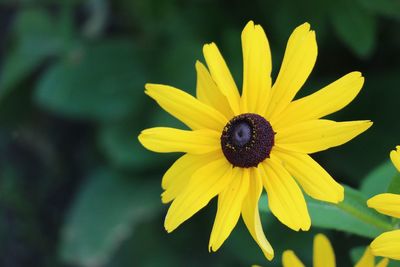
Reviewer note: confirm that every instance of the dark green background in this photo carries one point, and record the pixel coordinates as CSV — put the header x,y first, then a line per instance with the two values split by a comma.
x,y
77,189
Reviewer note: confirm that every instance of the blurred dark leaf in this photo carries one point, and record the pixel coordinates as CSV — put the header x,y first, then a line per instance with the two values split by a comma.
x,y
104,213
378,180
355,26
354,215
100,81
389,8
36,38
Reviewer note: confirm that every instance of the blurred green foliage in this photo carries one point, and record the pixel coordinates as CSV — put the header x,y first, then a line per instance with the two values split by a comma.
x,y
76,187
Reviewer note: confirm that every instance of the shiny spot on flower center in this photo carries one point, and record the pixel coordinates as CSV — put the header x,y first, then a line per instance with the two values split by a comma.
x,y
247,140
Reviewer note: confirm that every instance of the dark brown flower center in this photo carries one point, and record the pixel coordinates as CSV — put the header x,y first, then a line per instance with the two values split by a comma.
x,y
247,140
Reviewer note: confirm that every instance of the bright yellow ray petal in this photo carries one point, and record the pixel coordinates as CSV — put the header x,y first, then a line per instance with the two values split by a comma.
x,y
395,157
221,75
285,198
317,135
329,99
289,259
387,245
178,175
206,183
251,215
229,207
186,108
165,140
382,263
298,62
208,92
256,69
323,252
315,181
367,260
388,204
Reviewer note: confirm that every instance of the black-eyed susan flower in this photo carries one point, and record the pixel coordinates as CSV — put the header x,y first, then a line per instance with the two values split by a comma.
x,y
388,243
239,143
324,256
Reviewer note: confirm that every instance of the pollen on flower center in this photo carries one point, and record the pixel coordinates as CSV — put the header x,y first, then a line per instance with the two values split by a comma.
x,y
247,140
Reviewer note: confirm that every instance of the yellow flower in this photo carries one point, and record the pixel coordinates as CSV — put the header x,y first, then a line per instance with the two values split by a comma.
x,y
239,144
388,243
324,256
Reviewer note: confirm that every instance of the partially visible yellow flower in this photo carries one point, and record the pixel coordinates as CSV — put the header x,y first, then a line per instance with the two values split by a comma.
x,y
324,256
388,243
395,157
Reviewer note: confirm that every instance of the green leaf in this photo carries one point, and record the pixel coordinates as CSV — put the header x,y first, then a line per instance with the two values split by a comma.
x,y
104,214
351,215
378,180
100,82
389,8
394,186
37,38
355,26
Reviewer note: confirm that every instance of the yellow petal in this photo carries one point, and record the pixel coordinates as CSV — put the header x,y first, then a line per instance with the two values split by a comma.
x,y
178,175
329,99
229,207
388,204
323,252
208,92
317,135
251,215
256,69
383,263
221,75
285,198
367,260
186,108
395,157
206,183
165,140
289,259
315,181
387,245
298,62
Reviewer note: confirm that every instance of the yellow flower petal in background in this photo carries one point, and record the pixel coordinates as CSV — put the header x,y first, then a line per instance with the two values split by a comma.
x,y
209,93
388,204
165,140
251,215
317,135
315,181
178,175
186,108
323,252
335,96
395,157
289,259
298,62
383,263
229,208
256,69
387,245
285,198
367,259
221,75
204,185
